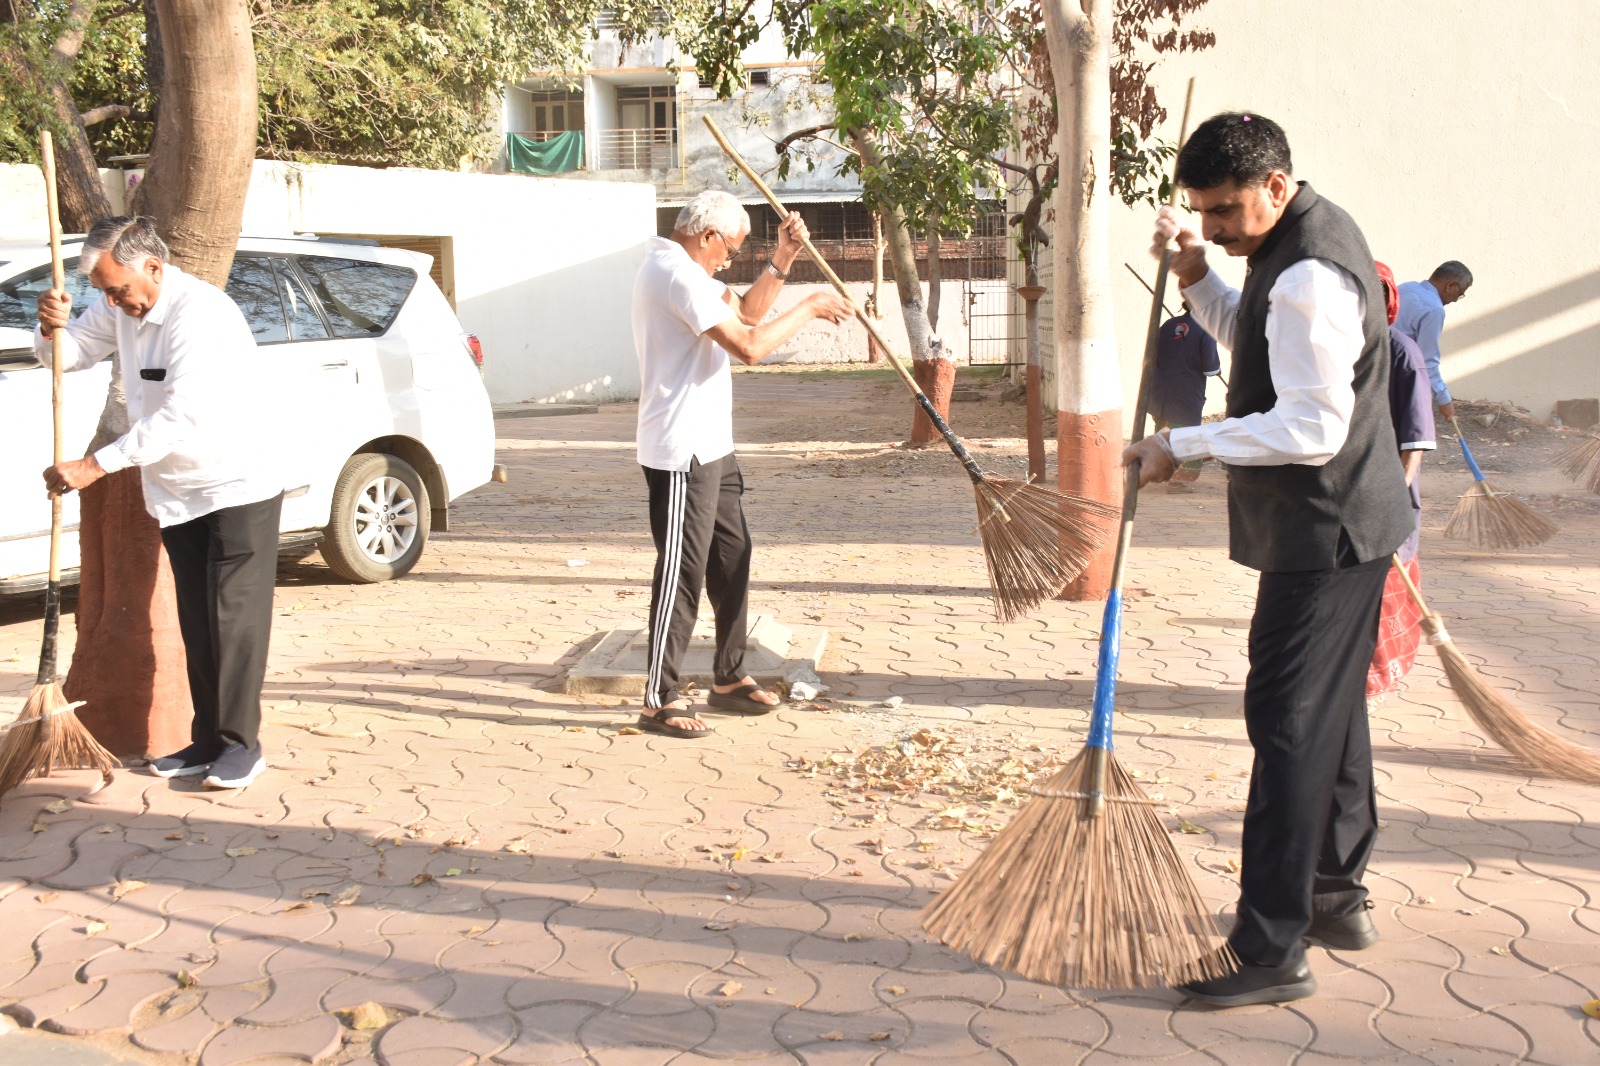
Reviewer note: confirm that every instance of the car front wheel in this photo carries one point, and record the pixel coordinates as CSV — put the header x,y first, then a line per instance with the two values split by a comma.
x,y
380,519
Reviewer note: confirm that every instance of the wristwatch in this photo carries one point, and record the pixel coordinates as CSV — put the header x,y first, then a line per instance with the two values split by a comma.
x,y
772,268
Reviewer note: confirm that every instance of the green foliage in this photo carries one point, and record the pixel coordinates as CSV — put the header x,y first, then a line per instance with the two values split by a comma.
x,y
919,80
395,82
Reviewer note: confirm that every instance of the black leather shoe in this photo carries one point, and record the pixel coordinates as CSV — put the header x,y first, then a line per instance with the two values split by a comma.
x,y
1255,984
1348,932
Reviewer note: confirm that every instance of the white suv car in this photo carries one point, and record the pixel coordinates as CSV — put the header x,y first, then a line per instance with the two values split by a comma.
x,y
391,422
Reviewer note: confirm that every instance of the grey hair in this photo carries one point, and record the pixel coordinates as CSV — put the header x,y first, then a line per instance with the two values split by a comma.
x,y
713,210
131,239
1452,271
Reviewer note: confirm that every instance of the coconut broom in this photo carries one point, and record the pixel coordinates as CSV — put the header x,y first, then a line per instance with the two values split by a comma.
x,y
1083,887
1035,540
1506,725
1580,461
47,734
1486,518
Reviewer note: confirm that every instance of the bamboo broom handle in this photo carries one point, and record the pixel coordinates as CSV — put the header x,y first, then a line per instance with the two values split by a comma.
x,y
58,280
822,265
973,470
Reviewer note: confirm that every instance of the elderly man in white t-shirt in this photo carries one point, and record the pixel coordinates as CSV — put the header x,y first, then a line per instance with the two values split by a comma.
x,y
685,326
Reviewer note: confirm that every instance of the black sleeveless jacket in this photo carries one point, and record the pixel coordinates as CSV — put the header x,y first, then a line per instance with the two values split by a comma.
x,y
1289,518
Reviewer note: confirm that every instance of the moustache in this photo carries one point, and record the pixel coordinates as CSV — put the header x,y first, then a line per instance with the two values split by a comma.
x,y
1224,240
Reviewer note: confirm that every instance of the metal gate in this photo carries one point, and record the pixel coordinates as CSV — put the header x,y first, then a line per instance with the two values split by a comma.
x,y
993,321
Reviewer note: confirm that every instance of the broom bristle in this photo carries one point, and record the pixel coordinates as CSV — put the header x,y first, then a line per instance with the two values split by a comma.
x,y
1485,518
1581,462
1036,540
46,737
1506,725
1067,897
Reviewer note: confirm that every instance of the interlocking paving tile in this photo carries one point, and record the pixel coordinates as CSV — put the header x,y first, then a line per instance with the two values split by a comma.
x,y
418,730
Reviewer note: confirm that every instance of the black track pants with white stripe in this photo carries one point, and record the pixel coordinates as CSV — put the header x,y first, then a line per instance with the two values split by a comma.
x,y
701,542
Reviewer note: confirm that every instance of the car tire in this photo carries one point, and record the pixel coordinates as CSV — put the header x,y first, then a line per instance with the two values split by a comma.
x,y
380,519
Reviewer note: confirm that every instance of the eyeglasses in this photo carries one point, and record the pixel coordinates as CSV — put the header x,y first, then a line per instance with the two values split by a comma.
x,y
730,250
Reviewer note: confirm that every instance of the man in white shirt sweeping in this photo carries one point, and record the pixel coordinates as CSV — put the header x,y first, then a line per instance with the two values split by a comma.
x,y
201,438
1317,502
685,326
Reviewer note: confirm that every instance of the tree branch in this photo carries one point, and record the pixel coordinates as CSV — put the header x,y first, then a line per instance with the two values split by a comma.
x,y
67,46
105,112
810,131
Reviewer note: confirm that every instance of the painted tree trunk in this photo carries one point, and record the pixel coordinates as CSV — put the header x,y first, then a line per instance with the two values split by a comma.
x,y
1088,377
129,666
931,366
129,662
874,354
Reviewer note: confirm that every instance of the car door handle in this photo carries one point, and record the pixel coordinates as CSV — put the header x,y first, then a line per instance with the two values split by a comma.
x,y
336,364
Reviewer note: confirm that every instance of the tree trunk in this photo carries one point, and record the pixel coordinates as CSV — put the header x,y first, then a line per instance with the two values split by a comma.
x,y
873,304
135,686
205,137
82,197
933,369
129,663
935,272
1088,377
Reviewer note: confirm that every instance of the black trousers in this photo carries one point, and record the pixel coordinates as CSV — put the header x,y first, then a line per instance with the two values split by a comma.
x,y
224,566
1312,818
702,541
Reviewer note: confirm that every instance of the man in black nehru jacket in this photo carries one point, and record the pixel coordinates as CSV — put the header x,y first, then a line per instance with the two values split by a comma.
x,y
1317,503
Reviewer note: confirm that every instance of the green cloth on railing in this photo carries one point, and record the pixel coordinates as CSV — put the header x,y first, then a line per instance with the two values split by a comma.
x,y
559,155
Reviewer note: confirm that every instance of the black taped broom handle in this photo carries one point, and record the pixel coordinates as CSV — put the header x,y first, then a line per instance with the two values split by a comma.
x,y
950,438
58,280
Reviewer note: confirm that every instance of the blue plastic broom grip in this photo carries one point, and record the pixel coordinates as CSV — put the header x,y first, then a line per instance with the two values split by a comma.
x,y
1105,678
1466,453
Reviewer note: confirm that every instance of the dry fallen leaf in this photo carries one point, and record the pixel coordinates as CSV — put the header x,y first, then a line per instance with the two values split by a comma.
x,y
1186,826
719,927
122,888
348,895
518,847
47,897
454,871
60,806
1499,949
730,988
313,893
92,927
39,827
835,1035
878,1036
365,1017
1233,866
185,979
238,853
895,990
421,879
1592,1008
628,731
298,905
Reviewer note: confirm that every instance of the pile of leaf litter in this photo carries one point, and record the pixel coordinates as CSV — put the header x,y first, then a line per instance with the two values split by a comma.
x,y
967,780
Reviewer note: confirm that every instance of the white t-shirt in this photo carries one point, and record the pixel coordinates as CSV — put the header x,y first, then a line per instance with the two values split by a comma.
x,y
686,390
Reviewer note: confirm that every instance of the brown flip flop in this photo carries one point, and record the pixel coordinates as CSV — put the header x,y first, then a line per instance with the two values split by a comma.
x,y
649,723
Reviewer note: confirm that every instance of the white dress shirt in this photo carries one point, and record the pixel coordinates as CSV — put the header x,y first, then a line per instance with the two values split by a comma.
x,y
686,385
202,435
1314,337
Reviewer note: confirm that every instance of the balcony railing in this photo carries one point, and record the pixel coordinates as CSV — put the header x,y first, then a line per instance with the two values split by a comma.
x,y
636,149
539,135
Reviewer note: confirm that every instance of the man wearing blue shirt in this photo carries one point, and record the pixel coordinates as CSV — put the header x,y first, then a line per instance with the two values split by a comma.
x,y
1422,305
